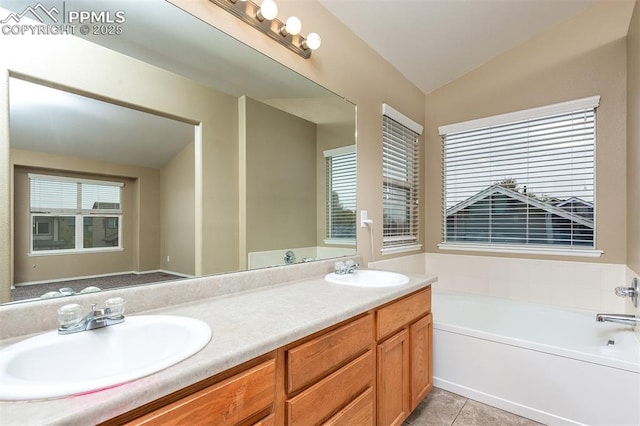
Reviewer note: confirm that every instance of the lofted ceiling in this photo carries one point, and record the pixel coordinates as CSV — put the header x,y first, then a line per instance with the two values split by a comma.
x,y
45,119
432,42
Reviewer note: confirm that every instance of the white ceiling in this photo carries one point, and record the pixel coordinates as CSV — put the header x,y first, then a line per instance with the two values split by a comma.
x,y
432,42
49,120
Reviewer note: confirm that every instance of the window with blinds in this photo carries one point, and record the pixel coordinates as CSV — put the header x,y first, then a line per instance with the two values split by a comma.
x,y
522,179
341,195
400,170
74,214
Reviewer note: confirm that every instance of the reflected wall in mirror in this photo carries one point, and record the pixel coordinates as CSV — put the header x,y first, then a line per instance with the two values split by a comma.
x,y
218,154
100,190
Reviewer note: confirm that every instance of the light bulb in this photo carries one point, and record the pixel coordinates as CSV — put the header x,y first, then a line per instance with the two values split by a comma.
x,y
293,26
313,41
268,10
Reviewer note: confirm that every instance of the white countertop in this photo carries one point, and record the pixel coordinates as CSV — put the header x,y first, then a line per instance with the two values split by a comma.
x,y
244,325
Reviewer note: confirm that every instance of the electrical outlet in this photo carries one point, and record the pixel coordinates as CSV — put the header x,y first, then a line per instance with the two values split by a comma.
x,y
364,220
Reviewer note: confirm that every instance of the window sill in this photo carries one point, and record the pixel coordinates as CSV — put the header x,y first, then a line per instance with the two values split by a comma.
x,y
72,252
521,250
401,249
340,241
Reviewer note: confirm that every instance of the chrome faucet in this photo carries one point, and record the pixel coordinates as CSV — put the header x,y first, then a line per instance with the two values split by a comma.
x,y
348,267
71,320
618,318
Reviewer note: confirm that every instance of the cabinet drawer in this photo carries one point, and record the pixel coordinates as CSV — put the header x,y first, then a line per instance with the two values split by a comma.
x,y
360,412
315,359
397,315
270,420
336,391
227,402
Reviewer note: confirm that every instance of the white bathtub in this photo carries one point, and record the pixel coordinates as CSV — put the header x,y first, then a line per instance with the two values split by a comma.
x,y
551,365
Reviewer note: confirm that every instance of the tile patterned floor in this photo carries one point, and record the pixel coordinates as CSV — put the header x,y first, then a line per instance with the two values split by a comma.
x,y
442,408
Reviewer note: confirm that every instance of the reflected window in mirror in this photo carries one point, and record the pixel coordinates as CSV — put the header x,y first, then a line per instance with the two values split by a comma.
x,y
341,195
69,214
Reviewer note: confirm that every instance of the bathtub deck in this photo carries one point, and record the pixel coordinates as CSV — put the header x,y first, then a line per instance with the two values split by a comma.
x,y
443,408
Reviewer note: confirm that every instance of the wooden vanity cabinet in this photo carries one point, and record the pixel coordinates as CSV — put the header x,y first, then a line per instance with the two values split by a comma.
x,y
404,363
330,378
372,369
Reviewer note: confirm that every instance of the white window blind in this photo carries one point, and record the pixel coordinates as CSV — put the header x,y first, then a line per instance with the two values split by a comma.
x,y
341,194
58,194
48,196
400,156
525,178
70,214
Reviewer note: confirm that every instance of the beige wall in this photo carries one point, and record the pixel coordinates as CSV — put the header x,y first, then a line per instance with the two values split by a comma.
x,y
569,62
136,254
633,141
280,179
177,213
347,66
89,69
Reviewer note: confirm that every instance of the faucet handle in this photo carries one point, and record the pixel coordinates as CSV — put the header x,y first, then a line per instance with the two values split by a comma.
x,y
70,314
115,305
633,292
624,291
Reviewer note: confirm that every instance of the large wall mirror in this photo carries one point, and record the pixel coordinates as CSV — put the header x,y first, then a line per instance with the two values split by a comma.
x,y
170,150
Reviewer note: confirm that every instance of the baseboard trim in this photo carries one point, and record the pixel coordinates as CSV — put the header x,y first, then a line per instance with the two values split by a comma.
x,y
504,404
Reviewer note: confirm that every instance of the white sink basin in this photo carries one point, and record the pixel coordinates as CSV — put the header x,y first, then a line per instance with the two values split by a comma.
x,y
51,365
368,278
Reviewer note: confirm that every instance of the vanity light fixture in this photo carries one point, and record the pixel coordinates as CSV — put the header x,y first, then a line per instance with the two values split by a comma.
x,y
263,17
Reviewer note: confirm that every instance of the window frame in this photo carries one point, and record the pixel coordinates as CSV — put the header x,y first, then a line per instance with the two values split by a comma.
x,y
505,119
393,120
77,213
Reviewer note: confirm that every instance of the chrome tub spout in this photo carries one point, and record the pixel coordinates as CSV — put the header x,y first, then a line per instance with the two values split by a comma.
x,y
618,318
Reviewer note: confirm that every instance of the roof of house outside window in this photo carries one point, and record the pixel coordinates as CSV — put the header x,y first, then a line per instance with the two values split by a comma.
x,y
573,209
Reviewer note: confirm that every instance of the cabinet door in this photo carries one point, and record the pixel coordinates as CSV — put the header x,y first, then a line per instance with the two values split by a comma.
x,y
393,379
420,336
